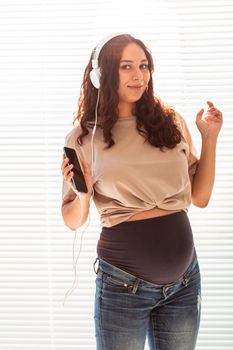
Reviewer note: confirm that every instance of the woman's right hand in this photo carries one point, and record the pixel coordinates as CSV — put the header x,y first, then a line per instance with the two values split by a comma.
x,y
67,175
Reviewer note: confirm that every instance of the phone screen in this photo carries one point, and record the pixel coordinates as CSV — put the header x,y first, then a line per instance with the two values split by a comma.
x,y
77,179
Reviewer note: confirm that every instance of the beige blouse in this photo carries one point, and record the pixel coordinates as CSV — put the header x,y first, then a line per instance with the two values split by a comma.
x,y
133,176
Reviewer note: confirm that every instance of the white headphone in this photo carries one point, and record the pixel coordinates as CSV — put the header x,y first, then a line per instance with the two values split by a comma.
x,y
95,72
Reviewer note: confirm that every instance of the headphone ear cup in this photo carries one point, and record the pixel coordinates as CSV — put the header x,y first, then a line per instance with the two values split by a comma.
x,y
95,77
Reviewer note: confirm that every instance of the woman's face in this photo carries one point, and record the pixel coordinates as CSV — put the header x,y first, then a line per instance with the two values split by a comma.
x,y
134,74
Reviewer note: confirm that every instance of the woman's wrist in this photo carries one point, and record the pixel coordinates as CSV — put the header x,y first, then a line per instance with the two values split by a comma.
x,y
84,198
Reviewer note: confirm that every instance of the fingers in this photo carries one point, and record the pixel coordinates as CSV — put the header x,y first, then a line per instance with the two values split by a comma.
x,y
64,163
68,177
201,111
65,168
210,103
214,112
199,115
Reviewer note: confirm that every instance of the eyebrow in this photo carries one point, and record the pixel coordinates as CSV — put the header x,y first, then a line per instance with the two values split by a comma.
x,y
144,60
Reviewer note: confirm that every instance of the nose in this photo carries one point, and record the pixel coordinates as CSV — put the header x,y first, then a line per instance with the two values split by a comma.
x,y
137,74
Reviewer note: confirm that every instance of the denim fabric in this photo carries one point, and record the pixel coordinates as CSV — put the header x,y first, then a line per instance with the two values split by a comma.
x,y
129,309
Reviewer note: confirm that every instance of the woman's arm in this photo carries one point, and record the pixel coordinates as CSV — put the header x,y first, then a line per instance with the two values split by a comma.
x,y
75,211
203,179
75,207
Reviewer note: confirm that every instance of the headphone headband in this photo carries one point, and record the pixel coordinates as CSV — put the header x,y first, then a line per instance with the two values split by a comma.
x,y
102,43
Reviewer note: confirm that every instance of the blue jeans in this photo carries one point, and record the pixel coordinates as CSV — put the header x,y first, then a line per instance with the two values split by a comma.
x,y
128,309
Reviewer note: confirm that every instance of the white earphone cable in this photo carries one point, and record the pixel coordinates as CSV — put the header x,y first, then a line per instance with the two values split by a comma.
x,y
92,170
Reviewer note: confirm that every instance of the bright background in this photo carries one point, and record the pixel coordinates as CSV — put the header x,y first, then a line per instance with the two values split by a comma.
x,y
44,47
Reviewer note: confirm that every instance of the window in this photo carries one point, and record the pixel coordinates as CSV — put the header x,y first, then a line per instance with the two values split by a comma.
x,y
45,46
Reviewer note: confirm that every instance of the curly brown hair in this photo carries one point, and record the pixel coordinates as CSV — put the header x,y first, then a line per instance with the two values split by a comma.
x,y
155,120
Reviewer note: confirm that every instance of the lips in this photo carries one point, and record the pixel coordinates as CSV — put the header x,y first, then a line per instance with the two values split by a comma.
x,y
135,86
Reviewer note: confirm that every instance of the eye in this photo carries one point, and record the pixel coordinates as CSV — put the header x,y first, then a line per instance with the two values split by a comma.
x,y
125,66
144,66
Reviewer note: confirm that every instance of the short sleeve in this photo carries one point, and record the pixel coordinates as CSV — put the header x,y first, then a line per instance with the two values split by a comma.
x,y
193,158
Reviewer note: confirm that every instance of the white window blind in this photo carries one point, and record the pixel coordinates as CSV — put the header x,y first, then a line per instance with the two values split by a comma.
x,y
45,46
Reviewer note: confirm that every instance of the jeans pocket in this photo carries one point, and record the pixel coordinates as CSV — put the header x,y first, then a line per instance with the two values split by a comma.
x,y
115,284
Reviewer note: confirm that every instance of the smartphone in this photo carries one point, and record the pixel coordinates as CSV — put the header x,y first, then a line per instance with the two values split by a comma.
x,y
77,179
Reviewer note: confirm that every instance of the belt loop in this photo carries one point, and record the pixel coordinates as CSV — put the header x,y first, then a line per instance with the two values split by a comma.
x,y
94,266
135,286
185,280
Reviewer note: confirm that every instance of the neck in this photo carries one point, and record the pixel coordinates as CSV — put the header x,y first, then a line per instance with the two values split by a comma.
x,y
125,109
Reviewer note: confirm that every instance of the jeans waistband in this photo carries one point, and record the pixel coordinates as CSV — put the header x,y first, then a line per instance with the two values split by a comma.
x,y
117,272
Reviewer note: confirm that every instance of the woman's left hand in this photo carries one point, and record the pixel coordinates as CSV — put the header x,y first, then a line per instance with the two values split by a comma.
x,y
211,124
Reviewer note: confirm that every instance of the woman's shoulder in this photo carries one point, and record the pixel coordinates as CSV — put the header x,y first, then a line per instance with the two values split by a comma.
x,y
184,128
73,133
181,123
179,119
76,131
